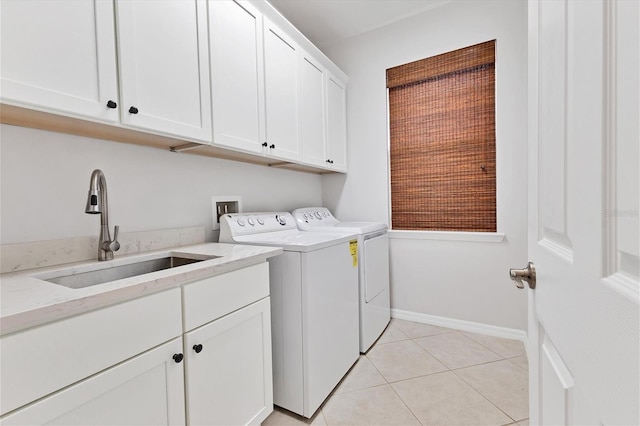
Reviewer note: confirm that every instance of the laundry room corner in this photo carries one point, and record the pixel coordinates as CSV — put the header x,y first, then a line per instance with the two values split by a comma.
x,y
438,278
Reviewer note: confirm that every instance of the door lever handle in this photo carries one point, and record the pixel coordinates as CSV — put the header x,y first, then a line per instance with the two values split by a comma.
x,y
527,274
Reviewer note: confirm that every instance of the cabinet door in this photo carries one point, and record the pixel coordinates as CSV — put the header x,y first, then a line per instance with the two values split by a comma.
x,y
336,124
146,390
237,75
281,92
59,56
164,67
229,382
312,111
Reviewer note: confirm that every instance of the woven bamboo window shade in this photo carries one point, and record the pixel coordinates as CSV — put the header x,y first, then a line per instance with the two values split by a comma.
x,y
442,130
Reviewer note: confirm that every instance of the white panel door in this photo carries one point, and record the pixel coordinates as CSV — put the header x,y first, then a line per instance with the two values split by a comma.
x,y
583,211
237,75
336,123
164,67
228,364
281,55
146,390
312,111
59,56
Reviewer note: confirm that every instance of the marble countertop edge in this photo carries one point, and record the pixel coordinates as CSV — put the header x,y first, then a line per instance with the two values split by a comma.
x,y
27,300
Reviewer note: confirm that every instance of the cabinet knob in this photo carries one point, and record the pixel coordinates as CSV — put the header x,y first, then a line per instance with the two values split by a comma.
x,y
112,105
197,348
133,110
264,144
272,146
178,358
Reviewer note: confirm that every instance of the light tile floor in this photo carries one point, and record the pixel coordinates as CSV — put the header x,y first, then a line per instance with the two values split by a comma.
x,y
418,374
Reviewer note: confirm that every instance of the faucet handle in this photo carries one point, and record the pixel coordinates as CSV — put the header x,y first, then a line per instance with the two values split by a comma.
x,y
114,245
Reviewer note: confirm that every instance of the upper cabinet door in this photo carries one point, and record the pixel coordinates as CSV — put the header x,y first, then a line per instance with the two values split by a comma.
x,y
60,56
336,124
237,75
281,55
164,67
312,111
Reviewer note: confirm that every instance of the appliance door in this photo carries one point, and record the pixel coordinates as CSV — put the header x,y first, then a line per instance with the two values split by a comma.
x,y
375,259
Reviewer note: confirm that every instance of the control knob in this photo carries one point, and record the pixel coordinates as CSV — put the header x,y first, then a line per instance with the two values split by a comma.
x,y
250,221
241,222
260,221
319,215
281,220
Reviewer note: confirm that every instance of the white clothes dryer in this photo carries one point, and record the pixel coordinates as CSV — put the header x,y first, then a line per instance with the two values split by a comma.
x,y
314,305
373,267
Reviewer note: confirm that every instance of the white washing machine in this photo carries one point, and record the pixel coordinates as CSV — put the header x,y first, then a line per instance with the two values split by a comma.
x,y
373,267
314,305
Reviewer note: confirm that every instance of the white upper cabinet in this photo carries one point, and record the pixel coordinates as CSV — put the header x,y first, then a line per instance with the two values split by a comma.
x,y
164,66
60,57
281,56
233,74
312,123
336,147
237,75
254,80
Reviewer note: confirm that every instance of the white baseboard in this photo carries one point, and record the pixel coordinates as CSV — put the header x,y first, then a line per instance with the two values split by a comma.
x,y
474,327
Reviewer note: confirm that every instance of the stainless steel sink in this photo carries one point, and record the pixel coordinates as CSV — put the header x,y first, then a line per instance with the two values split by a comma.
x,y
118,272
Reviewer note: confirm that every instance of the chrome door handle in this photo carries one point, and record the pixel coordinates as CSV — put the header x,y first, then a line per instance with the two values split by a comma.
x,y
527,274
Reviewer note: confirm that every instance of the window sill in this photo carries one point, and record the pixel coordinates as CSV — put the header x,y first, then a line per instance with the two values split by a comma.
x,y
485,237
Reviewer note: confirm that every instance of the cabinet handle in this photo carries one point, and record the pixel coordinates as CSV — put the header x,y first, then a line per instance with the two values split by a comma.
x,y
330,161
178,358
197,348
112,105
272,146
264,144
133,110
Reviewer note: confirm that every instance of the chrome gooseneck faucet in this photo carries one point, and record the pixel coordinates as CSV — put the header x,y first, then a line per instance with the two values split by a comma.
x,y
97,203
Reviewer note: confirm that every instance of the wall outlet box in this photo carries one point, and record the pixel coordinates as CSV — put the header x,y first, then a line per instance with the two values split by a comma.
x,y
224,204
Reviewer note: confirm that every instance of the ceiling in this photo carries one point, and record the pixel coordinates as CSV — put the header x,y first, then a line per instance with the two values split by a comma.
x,y
326,22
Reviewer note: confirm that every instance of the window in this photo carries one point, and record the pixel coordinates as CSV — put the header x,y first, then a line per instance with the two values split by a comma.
x,y
442,142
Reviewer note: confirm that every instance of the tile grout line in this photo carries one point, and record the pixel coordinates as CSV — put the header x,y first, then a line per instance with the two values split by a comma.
x,y
447,369
460,368
481,394
480,343
405,403
503,358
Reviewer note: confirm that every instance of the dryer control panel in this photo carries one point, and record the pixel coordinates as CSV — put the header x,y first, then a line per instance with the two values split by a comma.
x,y
314,216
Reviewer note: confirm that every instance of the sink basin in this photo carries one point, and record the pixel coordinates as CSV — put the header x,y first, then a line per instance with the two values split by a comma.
x,y
118,272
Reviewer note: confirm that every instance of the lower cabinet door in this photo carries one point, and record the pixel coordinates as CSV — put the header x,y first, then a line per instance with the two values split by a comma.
x,y
228,368
146,390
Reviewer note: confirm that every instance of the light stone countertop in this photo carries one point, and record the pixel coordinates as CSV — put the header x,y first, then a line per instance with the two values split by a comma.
x,y
27,300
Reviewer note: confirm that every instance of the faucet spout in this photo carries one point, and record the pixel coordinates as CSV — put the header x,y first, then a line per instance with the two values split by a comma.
x,y
97,203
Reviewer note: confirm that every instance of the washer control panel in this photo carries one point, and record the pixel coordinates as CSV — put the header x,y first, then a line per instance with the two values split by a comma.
x,y
314,216
237,224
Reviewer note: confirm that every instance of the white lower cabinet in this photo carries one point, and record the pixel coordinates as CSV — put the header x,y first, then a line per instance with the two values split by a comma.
x,y
126,364
145,390
228,368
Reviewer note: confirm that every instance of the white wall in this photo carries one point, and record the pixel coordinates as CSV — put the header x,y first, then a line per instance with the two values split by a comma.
x,y
44,179
461,280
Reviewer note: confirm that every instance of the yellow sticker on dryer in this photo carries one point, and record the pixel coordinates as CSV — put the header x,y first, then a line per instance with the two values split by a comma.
x,y
353,248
